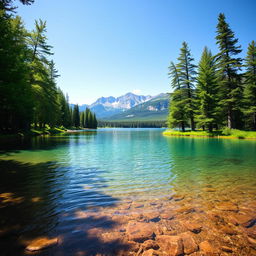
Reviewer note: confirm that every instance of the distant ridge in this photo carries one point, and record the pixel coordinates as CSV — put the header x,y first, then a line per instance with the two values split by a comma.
x,y
130,107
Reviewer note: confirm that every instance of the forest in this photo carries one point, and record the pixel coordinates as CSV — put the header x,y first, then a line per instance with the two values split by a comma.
x,y
29,95
132,124
220,91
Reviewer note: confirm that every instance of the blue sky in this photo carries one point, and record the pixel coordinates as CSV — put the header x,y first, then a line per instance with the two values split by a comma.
x,y
111,47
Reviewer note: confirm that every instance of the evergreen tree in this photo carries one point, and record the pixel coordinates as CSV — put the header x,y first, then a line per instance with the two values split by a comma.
x,y
230,79
76,116
95,122
82,119
207,91
16,104
186,72
86,118
40,76
177,113
250,86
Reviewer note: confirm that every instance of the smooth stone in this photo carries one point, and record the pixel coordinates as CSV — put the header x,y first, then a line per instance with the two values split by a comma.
x,y
209,190
178,197
189,243
251,232
150,252
228,230
245,220
140,231
185,209
172,245
227,206
226,249
206,247
252,242
150,244
41,243
167,215
193,227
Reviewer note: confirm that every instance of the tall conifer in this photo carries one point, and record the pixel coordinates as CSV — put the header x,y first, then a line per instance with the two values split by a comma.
x,y
250,86
230,79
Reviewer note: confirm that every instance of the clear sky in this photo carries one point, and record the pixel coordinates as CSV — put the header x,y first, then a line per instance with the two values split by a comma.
x,y
111,47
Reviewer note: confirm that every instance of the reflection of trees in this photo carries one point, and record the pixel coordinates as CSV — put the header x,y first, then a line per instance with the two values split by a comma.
x,y
42,199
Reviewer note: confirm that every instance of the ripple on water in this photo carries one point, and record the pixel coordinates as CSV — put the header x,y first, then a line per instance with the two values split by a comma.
x,y
95,191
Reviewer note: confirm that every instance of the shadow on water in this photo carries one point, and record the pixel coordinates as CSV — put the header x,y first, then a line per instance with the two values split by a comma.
x,y
43,200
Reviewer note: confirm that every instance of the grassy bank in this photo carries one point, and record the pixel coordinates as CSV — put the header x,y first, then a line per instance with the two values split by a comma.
x,y
225,134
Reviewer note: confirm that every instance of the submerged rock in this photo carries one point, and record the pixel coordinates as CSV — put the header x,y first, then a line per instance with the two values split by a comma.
x,y
140,231
207,248
189,243
193,227
172,245
41,243
150,252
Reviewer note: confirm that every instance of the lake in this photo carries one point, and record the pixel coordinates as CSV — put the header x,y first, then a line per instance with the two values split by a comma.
x,y
128,192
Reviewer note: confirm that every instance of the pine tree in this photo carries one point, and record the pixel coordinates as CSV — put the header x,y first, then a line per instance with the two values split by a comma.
x,y
86,118
230,78
82,119
250,86
186,72
76,116
177,113
207,91
16,104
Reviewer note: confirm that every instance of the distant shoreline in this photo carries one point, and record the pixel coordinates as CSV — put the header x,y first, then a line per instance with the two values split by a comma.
x,y
234,134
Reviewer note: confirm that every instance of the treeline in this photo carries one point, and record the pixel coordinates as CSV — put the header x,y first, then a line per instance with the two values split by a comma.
x,y
28,91
85,119
132,124
220,91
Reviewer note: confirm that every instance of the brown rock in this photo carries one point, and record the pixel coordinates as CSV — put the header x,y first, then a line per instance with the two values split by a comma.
x,y
140,231
185,209
251,232
150,244
172,245
167,215
245,220
227,206
226,249
150,252
207,248
228,230
193,227
209,190
189,243
41,243
252,242
178,197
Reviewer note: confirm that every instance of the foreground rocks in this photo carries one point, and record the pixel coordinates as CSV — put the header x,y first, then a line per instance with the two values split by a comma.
x,y
41,243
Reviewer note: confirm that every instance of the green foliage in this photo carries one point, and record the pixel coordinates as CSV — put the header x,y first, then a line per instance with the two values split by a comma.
x,y
28,89
250,87
230,78
207,91
182,107
225,133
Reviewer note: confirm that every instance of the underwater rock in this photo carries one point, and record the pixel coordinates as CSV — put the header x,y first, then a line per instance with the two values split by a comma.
x,y
41,243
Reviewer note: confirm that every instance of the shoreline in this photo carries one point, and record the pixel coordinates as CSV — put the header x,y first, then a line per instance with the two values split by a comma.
x,y
188,135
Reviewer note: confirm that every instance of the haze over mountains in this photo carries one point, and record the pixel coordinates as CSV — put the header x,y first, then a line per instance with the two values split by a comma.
x,y
130,107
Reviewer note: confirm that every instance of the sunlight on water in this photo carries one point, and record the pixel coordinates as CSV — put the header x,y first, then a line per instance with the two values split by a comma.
x,y
53,182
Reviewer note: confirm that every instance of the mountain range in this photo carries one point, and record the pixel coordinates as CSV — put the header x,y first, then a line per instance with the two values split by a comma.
x,y
130,107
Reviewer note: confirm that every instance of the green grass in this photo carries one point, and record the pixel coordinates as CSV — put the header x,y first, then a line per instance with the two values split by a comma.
x,y
225,133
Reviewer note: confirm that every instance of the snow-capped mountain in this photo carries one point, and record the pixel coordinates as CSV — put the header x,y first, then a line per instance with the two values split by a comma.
x,y
108,106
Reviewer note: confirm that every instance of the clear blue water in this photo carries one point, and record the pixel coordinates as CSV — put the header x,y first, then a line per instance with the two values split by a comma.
x,y
49,179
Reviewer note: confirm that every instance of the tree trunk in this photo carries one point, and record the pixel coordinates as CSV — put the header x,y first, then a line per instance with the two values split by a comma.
x,y
182,126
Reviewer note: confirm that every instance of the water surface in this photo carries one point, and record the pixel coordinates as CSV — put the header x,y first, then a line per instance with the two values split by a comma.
x,y
79,187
